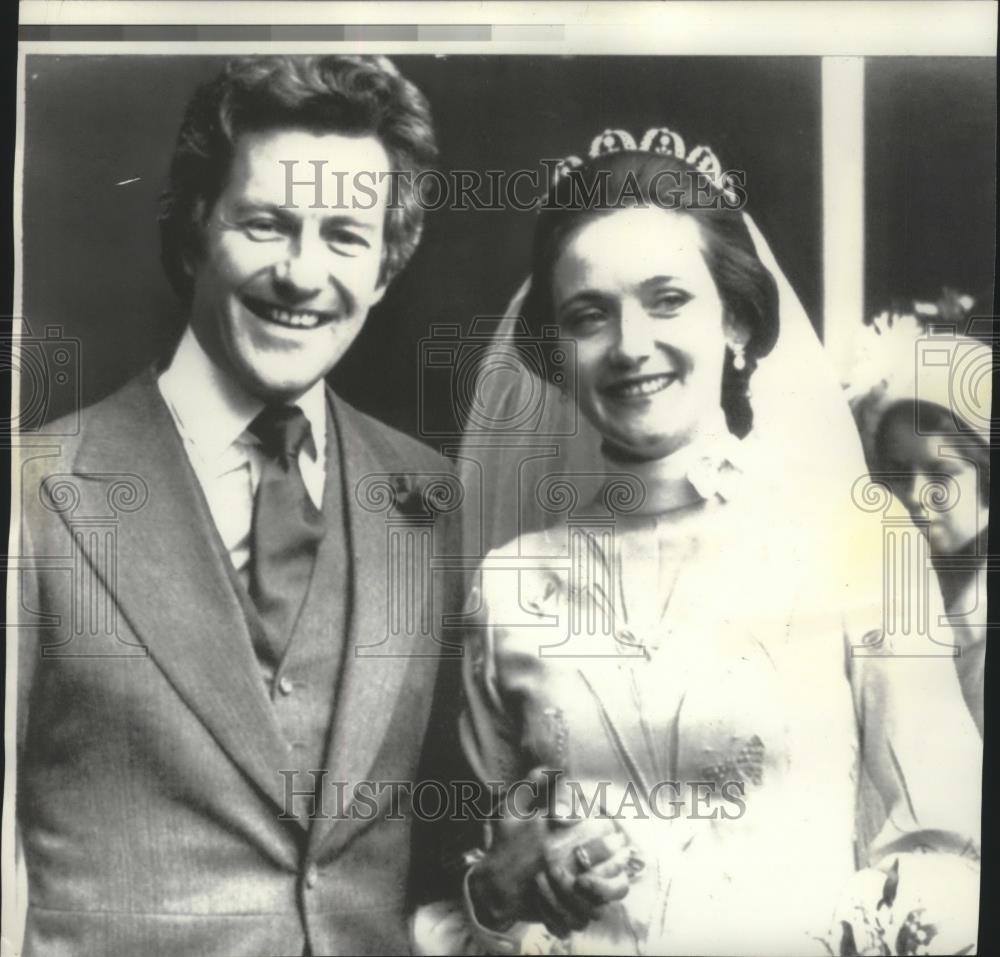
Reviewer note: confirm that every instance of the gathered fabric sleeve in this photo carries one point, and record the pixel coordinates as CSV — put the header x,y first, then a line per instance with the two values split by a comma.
x,y
919,743
490,740
923,754
971,629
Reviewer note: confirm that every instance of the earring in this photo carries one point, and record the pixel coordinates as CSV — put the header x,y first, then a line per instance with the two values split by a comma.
x,y
739,356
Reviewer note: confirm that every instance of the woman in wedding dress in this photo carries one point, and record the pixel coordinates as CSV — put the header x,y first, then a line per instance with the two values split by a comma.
x,y
688,622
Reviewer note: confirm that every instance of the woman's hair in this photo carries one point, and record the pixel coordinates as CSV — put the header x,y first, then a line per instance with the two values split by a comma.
x,y
353,95
933,419
633,178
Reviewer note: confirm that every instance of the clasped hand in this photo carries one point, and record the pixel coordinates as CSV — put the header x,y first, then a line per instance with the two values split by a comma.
x,y
546,866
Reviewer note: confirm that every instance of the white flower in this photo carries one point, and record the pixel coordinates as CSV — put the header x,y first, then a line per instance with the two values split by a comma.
x,y
717,469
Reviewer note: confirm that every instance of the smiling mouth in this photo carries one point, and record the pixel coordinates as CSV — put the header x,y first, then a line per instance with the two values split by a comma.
x,y
290,318
640,386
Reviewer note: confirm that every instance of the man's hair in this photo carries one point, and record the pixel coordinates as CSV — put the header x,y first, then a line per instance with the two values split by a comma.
x,y
353,95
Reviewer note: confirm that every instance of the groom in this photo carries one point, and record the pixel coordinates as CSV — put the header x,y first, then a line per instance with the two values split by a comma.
x,y
206,671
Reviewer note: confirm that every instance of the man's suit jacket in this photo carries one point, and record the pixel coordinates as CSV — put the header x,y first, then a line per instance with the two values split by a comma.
x,y
150,802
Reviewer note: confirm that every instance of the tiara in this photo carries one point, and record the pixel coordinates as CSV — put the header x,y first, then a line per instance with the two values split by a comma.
x,y
660,140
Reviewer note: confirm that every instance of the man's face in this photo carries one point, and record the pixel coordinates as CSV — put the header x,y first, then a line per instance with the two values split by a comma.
x,y
280,294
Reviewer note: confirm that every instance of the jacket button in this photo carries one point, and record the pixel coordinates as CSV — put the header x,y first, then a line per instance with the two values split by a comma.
x,y
285,685
312,876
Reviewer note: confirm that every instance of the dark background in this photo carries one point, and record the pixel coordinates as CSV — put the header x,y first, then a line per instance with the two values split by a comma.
x,y
91,247
930,145
91,265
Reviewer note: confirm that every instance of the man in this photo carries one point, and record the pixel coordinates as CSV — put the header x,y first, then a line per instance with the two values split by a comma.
x,y
204,645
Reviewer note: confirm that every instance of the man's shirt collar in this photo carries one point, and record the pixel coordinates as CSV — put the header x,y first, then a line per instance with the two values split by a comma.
x,y
213,412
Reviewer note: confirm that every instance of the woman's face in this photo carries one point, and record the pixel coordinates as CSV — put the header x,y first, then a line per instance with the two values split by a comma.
x,y
918,463
633,290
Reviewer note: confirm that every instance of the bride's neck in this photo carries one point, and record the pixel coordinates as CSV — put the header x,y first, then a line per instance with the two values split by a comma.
x,y
666,479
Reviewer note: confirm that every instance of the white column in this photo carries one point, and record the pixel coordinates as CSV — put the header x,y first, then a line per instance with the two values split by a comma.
x,y
843,205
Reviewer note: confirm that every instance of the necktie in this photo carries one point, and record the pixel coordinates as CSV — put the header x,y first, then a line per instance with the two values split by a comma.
x,y
286,530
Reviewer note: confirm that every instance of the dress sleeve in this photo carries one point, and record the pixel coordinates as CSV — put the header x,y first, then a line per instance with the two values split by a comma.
x,y
971,629
489,738
920,745
923,754
488,731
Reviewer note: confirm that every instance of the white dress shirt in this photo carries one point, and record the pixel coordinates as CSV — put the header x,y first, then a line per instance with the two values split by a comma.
x,y
212,414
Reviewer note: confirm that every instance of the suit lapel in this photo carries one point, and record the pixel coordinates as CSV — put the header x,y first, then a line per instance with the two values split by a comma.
x,y
172,585
371,677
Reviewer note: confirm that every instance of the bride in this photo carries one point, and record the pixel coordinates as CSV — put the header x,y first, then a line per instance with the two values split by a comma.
x,y
683,647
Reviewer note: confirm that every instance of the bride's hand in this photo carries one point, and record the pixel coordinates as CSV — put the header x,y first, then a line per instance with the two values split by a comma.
x,y
588,863
543,866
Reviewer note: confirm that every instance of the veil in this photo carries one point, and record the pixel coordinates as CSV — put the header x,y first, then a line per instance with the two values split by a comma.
x,y
522,430
525,436
527,448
